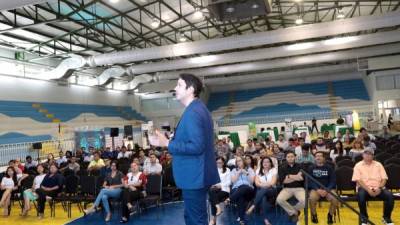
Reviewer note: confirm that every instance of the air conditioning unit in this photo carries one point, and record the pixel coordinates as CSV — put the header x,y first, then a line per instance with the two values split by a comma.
x,y
237,10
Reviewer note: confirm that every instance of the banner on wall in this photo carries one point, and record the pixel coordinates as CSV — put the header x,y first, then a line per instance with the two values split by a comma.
x,y
252,130
88,139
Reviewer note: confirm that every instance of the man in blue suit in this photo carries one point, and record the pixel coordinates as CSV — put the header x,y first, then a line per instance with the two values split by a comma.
x,y
192,146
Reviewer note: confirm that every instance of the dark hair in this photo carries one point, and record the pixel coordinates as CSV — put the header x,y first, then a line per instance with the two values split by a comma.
x,y
192,81
223,163
14,178
28,157
320,152
290,152
252,164
362,129
367,138
114,162
262,162
340,152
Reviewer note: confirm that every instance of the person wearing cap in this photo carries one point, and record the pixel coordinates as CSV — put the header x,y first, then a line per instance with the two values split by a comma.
x,y
371,179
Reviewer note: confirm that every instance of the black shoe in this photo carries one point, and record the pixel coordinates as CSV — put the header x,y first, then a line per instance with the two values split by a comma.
x,y
123,220
314,218
294,218
330,219
387,221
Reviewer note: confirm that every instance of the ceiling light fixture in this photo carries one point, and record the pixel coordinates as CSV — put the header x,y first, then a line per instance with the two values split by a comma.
x,y
300,46
182,37
230,9
198,13
340,40
155,23
340,14
254,6
299,20
114,1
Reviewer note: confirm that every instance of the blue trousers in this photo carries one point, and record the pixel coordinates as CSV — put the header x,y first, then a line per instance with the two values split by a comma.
x,y
104,195
195,202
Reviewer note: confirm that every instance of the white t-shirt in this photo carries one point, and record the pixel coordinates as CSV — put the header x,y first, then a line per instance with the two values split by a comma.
x,y
124,155
38,181
152,168
133,179
267,178
225,179
7,183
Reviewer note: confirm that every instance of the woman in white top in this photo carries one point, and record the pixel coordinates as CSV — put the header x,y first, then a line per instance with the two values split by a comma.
x,y
219,192
8,185
266,186
338,151
30,194
132,191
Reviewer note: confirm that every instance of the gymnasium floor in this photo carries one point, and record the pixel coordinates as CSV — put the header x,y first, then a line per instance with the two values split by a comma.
x,y
172,214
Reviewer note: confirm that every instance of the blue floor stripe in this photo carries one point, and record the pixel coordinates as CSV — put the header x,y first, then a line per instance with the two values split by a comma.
x,y
172,214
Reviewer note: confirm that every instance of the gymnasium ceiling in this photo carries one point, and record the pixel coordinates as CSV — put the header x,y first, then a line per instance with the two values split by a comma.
x,y
59,28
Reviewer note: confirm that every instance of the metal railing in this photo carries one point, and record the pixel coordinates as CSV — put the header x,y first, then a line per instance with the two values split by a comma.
x,y
309,177
21,150
298,116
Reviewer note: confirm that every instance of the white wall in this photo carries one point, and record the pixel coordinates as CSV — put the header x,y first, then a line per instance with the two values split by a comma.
x,y
20,89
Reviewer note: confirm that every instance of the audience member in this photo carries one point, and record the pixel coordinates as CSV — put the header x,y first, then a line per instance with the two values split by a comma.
x,y
325,175
337,151
291,179
50,187
219,192
30,195
8,185
153,167
371,179
111,189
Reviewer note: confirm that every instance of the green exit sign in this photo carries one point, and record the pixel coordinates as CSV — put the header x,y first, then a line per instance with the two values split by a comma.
x,y
19,56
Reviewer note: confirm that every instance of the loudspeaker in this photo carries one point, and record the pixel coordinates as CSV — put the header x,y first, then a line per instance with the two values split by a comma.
x,y
37,145
166,128
114,132
128,130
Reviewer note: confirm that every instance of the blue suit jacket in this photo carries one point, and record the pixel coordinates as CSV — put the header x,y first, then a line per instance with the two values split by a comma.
x,y
192,148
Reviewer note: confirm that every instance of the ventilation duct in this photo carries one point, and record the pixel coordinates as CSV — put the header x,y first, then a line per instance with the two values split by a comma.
x,y
110,73
290,34
13,4
287,62
65,68
270,53
138,80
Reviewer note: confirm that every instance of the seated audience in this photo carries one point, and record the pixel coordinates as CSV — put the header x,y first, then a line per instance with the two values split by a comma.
x,y
337,151
96,164
50,160
111,189
278,153
324,174
124,153
242,187
291,179
371,179
250,162
8,184
368,144
265,181
222,149
282,143
50,187
107,154
30,195
298,150
385,133
357,149
153,167
72,165
306,156
219,192
132,190
29,163
239,153
338,137
62,159
365,133
250,148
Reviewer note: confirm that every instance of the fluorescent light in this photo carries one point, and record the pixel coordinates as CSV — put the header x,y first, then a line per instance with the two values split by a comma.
x,y
182,37
203,59
198,13
300,46
254,6
298,0
340,40
155,23
230,9
114,1
340,15
299,21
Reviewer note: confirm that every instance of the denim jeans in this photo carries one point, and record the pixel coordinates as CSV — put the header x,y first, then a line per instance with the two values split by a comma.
x,y
104,195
